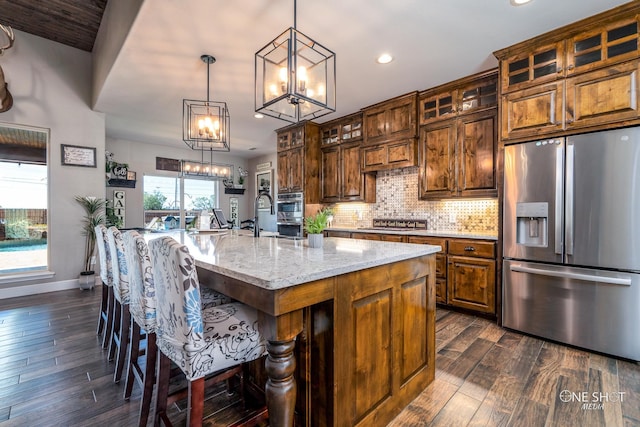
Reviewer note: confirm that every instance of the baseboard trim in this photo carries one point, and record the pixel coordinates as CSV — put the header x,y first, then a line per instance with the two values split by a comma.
x,y
39,288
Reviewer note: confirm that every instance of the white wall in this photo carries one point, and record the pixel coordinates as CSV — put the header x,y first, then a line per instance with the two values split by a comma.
x,y
51,85
266,220
141,158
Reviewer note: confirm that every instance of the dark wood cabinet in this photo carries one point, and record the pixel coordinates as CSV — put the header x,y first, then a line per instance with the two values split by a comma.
x,y
391,120
471,275
390,155
457,148
298,160
390,131
342,178
458,157
465,268
463,96
581,77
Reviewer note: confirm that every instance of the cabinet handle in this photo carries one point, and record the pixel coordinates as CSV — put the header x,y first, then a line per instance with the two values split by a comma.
x,y
560,69
469,248
570,67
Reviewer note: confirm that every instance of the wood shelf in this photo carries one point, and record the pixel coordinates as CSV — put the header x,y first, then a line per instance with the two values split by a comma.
x,y
234,190
126,183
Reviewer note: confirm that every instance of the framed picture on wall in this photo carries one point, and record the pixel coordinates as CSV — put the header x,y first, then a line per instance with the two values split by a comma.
x,y
264,182
75,155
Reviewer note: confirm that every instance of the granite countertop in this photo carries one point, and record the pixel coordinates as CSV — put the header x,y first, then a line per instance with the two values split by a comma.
x,y
275,263
413,232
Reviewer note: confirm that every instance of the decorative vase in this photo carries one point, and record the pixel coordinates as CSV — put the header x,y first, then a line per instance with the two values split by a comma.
x,y
87,280
315,240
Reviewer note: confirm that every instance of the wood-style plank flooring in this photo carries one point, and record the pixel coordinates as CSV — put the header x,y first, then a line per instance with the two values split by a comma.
x,y
54,373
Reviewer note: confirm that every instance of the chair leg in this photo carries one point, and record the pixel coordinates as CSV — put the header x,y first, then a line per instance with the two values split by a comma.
x,y
149,379
115,329
123,342
106,339
196,403
162,389
134,355
104,305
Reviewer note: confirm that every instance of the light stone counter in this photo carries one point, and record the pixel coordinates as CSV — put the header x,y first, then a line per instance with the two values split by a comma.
x,y
276,263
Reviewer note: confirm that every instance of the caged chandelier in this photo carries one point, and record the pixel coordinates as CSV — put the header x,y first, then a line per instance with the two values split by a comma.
x,y
295,77
206,124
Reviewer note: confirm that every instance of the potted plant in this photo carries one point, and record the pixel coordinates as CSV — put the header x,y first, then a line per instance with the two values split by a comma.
x,y
314,226
93,207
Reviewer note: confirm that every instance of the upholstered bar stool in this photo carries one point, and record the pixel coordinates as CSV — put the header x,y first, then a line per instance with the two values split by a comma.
x,y
200,342
121,317
142,306
105,317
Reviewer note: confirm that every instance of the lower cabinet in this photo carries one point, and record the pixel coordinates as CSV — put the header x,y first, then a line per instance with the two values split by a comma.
x,y
465,268
471,275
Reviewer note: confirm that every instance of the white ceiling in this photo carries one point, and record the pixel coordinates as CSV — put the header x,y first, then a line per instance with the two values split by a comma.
x,y
432,41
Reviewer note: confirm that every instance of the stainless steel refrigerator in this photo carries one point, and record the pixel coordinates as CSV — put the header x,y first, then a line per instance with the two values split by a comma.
x,y
572,240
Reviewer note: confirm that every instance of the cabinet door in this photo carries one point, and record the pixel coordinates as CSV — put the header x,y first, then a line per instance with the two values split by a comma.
x,y
603,46
330,178
375,126
402,119
530,113
296,169
437,106
283,172
296,136
283,140
476,155
437,152
536,66
366,236
391,155
471,283
478,95
603,96
352,177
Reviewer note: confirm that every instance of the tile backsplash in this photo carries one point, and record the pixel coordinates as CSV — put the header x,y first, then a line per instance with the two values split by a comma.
x,y
397,198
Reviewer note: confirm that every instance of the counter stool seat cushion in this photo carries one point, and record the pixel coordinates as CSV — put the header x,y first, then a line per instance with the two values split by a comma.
x,y
211,298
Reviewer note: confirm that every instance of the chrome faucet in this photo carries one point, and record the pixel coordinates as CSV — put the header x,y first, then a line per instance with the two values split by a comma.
x,y
256,226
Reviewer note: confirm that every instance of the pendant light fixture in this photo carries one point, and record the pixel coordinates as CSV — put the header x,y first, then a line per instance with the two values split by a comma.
x,y
206,124
295,77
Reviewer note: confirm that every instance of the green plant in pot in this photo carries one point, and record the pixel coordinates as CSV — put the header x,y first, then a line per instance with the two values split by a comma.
x,y
314,226
93,207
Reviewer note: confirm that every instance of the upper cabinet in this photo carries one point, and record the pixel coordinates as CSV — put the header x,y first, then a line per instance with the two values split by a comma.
x,y
342,179
458,149
390,132
477,92
298,160
583,76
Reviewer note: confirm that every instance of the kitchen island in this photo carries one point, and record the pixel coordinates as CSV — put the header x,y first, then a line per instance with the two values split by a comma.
x,y
359,317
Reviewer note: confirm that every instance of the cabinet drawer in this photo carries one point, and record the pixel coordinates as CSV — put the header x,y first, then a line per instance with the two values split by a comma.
x,y
336,233
472,248
425,240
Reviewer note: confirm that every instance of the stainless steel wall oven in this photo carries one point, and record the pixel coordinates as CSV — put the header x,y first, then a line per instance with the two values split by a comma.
x,y
290,214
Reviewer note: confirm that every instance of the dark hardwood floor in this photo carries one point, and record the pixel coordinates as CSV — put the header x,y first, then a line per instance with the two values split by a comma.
x,y
54,373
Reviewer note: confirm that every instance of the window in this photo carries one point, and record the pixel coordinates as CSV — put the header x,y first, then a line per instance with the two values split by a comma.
x,y
164,196
23,200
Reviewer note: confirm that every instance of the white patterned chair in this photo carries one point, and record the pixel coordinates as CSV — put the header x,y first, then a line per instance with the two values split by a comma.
x,y
121,317
200,342
142,306
105,317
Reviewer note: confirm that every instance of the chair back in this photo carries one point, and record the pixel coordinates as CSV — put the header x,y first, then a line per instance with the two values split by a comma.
x,y
104,254
142,289
179,309
119,265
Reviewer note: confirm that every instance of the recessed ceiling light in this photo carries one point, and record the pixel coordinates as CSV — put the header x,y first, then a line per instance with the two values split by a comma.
x,y
519,2
258,116
385,58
